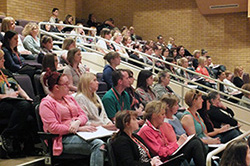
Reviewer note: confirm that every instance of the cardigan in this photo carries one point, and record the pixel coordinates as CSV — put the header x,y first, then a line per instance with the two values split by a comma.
x,y
56,118
91,110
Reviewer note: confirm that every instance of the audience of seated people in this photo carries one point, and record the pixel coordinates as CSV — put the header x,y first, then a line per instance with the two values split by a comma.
x,y
9,24
102,112
161,138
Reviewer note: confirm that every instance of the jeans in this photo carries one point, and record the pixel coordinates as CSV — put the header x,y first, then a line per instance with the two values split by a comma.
x,y
73,144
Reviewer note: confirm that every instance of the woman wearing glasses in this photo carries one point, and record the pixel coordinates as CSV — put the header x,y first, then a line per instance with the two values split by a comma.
x,y
62,115
191,120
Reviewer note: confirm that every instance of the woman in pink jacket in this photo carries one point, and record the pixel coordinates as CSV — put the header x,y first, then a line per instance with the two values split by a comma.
x,y
62,115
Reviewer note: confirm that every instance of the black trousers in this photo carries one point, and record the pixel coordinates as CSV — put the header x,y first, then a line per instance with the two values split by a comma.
x,y
17,112
195,149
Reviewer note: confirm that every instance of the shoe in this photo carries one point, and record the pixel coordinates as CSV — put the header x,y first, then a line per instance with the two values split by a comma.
x,y
7,144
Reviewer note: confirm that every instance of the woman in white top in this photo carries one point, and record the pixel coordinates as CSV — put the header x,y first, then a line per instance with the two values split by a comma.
x,y
118,39
90,102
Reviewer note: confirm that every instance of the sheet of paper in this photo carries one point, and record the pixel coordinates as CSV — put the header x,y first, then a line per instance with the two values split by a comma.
x,y
99,133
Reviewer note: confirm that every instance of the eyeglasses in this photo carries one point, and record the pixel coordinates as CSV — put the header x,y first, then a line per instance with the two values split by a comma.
x,y
195,95
65,84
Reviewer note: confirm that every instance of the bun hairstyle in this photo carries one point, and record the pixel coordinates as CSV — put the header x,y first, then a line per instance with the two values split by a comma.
x,y
111,55
51,78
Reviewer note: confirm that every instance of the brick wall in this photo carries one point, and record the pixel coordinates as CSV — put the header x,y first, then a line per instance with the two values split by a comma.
x,y
225,36
3,6
38,10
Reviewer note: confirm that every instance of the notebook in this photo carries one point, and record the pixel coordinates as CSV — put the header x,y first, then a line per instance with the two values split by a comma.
x,y
99,133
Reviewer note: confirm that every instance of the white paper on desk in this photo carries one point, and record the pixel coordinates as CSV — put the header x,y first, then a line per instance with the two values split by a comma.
x,y
215,145
99,133
187,140
231,128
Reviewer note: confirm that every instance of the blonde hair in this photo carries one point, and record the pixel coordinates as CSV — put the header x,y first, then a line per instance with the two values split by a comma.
x,y
116,35
28,28
202,60
83,87
153,107
191,95
181,61
196,52
1,53
67,42
6,24
237,71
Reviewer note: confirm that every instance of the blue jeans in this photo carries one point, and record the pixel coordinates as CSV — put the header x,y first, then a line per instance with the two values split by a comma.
x,y
73,144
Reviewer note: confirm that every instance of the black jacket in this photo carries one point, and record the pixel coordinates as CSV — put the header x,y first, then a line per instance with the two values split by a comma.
x,y
126,151
218,117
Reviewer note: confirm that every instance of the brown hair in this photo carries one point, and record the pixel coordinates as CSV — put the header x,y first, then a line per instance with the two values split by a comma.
x,y
121,118
170,100
246,87
71,55
191,95
111,55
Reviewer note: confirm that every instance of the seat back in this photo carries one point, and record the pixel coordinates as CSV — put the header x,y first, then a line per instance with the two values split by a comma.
x,y
19,29
245,78
26,84
38,119
38,87
99,76
111,155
